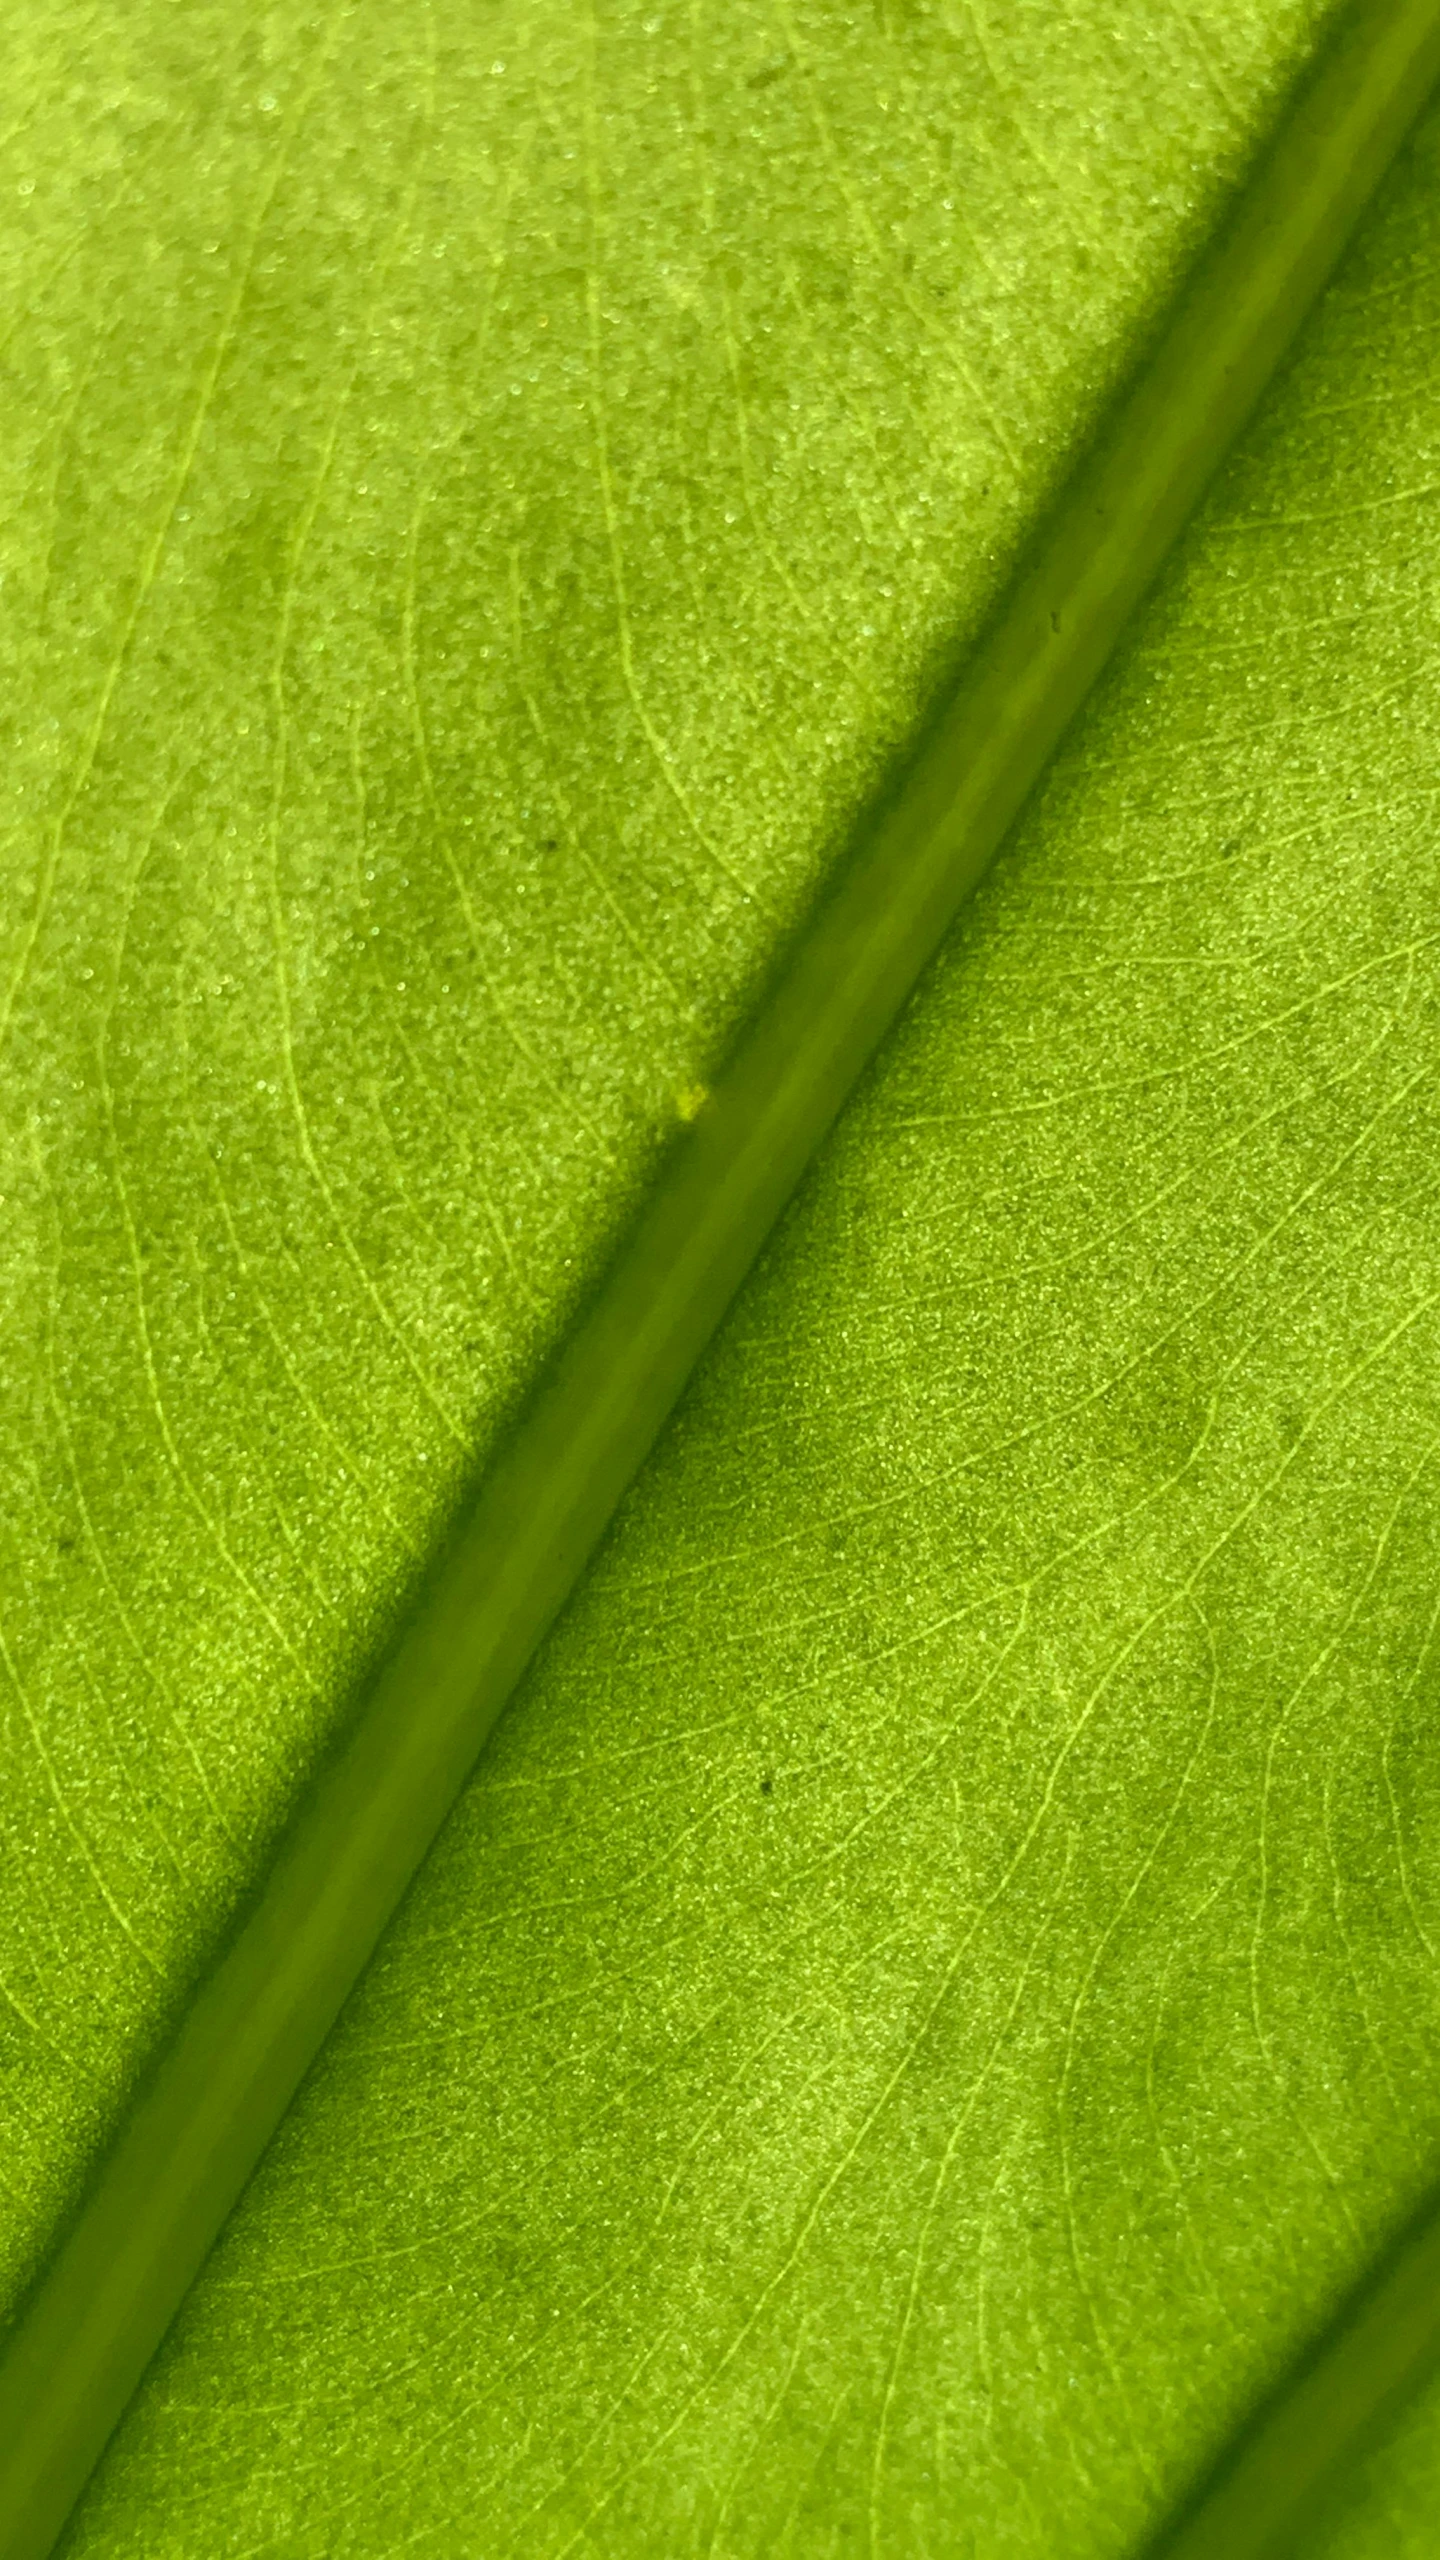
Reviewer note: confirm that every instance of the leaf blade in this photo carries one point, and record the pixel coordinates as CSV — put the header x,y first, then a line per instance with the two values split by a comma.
x,y
311,1168
354,1848
1147,1672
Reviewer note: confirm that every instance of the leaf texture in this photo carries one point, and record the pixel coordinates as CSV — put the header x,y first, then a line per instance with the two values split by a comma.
x,y
484,508
932,1996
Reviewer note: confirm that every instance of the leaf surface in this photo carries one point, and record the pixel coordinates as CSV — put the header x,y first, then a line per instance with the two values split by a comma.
x,y
481,516
932,1998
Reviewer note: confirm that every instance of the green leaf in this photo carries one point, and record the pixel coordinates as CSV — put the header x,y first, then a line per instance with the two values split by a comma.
x,y
481,516
423,856
444,472
931,1997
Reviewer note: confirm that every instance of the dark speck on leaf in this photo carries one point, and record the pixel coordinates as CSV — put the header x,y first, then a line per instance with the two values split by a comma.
x,y
767,1786
775,69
